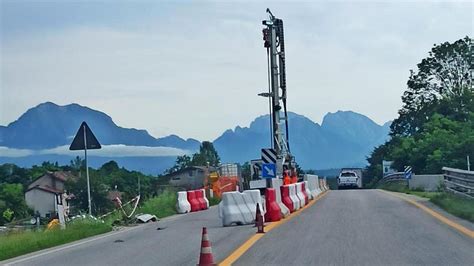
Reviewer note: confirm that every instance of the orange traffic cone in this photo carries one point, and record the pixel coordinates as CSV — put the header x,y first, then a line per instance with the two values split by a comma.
x,y
205,258
259,221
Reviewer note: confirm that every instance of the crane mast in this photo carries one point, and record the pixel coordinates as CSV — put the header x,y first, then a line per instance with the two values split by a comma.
x,y
274,42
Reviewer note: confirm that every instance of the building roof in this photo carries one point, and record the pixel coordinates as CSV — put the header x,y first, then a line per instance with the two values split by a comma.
x,y
45,188
60,176
204,168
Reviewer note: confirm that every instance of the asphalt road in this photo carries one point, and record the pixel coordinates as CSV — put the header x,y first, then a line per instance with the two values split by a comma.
x,y
361,227
177,243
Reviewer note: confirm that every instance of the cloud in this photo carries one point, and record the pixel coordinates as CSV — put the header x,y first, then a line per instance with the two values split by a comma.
x,y
106,151
9,152
194,69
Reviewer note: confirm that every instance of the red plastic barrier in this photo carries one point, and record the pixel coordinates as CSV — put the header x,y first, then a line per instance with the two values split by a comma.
x,y
285,197
303,187
273,213
200,198
195,205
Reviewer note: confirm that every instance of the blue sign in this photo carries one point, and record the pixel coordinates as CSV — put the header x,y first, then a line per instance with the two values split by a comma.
x,y
268,170
408,172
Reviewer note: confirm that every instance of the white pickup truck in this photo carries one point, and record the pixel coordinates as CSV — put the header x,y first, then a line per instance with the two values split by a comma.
x,y
350,178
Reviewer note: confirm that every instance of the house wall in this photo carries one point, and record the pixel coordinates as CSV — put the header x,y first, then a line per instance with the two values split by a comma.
x,y
192,179
41,201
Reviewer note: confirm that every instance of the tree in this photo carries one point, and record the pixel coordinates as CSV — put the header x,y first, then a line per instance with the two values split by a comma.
x,y
12,199
442,84
207,154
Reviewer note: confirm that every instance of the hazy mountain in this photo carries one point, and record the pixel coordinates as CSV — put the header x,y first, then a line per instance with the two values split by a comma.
x,y
343,139
49,125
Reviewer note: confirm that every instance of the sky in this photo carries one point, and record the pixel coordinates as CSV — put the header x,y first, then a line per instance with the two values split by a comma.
x,y
195,69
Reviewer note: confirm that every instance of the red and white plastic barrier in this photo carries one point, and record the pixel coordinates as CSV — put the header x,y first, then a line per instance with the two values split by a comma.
x,y
294,198
277,184
300,195
183,206
285,197
192,201
307,194
273,212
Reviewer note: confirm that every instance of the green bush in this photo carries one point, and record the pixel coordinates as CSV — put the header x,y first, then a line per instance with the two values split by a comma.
x,y
162,205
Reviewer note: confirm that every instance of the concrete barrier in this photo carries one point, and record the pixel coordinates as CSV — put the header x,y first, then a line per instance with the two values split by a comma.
x,y
321,185
326,184
276,184
425,182
294,198
307,190
183,206
299,193
239,208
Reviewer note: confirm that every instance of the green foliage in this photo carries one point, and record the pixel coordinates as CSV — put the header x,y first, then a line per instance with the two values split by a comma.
x,y
207,155
456,205
12,198
163,205
435,125
19,243
444,75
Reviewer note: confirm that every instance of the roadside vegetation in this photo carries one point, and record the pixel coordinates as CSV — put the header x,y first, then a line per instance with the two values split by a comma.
x,y
456,205
435,124
18,243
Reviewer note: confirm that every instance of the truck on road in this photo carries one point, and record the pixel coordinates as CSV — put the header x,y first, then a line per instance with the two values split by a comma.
x,y
350,177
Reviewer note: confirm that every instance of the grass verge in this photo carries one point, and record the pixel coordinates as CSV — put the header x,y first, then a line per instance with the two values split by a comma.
x,y
162,205
456,205
19,243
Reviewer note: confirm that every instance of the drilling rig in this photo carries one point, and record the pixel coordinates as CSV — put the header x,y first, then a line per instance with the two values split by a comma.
x,y
274,42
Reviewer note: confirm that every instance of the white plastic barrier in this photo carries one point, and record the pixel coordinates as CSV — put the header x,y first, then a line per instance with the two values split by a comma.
x,y
321,184
239,208
183,206
205,197
294,198
276,184
325,182
308,192
299,193
313,184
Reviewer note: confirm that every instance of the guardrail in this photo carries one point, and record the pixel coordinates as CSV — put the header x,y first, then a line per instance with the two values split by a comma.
x,y
398,176
459,181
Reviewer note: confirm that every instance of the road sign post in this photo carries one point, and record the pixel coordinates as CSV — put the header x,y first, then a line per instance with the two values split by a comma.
x,y
81,142
408,174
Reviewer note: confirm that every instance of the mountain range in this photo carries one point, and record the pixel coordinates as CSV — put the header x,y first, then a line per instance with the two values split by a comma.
x,y
343,139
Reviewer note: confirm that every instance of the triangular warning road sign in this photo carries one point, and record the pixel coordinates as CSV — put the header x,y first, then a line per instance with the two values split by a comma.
x,y
78,142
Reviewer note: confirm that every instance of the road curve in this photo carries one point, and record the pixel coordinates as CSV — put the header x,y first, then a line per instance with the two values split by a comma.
x,y
178,243
361,227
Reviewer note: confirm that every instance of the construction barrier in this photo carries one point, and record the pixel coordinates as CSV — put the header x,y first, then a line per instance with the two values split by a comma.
x,y
205,198
200,198
326,184
239,208
273,213
294,198
285,197
307,191
195,205
321,185
313,183
300,195
183,206
277,184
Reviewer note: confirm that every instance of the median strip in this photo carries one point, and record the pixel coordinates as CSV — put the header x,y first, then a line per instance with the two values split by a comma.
x,y
445,220
234,256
